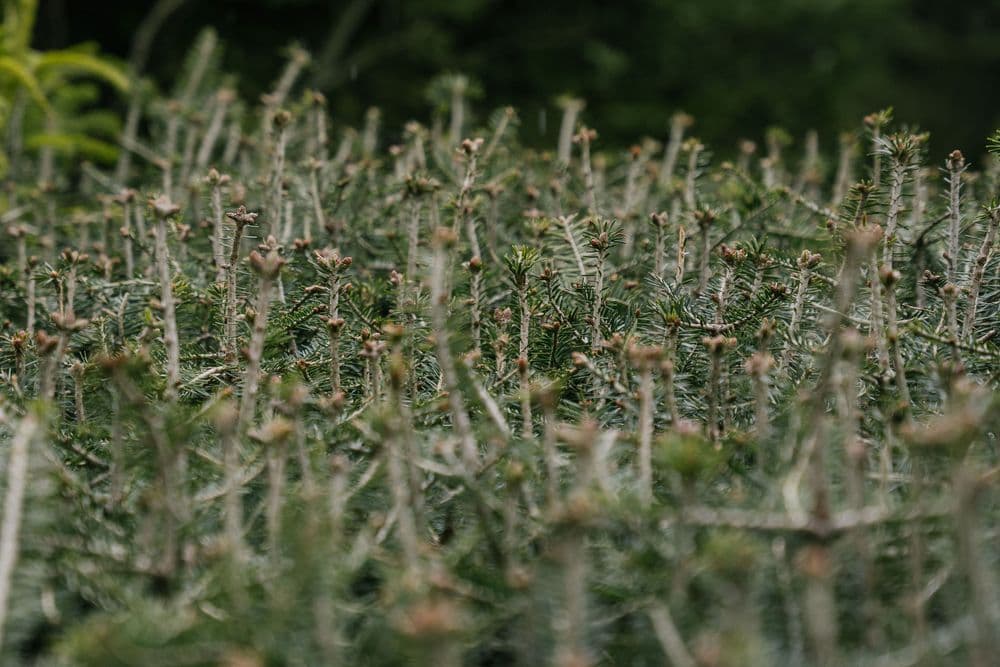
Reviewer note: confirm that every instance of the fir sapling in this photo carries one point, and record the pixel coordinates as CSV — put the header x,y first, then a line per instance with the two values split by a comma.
x,y
473,412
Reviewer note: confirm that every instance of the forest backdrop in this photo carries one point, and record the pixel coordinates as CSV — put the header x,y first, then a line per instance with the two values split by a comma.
x,y
738,67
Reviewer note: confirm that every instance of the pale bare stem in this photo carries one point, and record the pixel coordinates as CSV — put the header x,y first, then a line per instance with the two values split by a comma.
x,y
890,280
298,59
917,556
679,122
267,268
979,267
126,198
444,240
571,110
166,163
819,603
757,367
669,637
636,163
876,121
842,182
30,297
19,232
855,457
334,265
949,297
717,346
234,135
226,423
404,484
667,370
809,174
217,181
722,297
475,266
117,469
704,218
371,351
502,318
273,436
187,157
571,553
600,244
470,149
644,358
876,328
566,222
548,399
901,150
523,365
50,351
981,581
585,137
369,135
46,160
69,305
681,255
164,208
76,370
956,167
28,430
572,651
459,86
317,201
281,121
807,262
340,467
223,98
413,246
694,149
129,133
659,221
508,114
241,218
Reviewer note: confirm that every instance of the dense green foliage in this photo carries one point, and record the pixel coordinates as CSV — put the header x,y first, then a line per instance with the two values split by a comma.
x,y
272,394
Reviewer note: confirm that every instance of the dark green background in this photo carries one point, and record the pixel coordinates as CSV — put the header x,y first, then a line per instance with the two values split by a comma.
x,y
739,66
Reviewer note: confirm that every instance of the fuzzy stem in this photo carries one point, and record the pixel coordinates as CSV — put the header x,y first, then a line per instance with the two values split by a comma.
x,y
229,331
975,283
565,221
223,98
690,189
980,580
335,327
876,327
892,335
277,456
523,363
588,171
10,530
439,318
596,338
317,202
278,176
899,168
571,109
677,125
646,434
956,167
170,339
255,351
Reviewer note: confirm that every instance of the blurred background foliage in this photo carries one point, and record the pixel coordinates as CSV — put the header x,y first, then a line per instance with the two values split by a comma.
x,y
738,66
